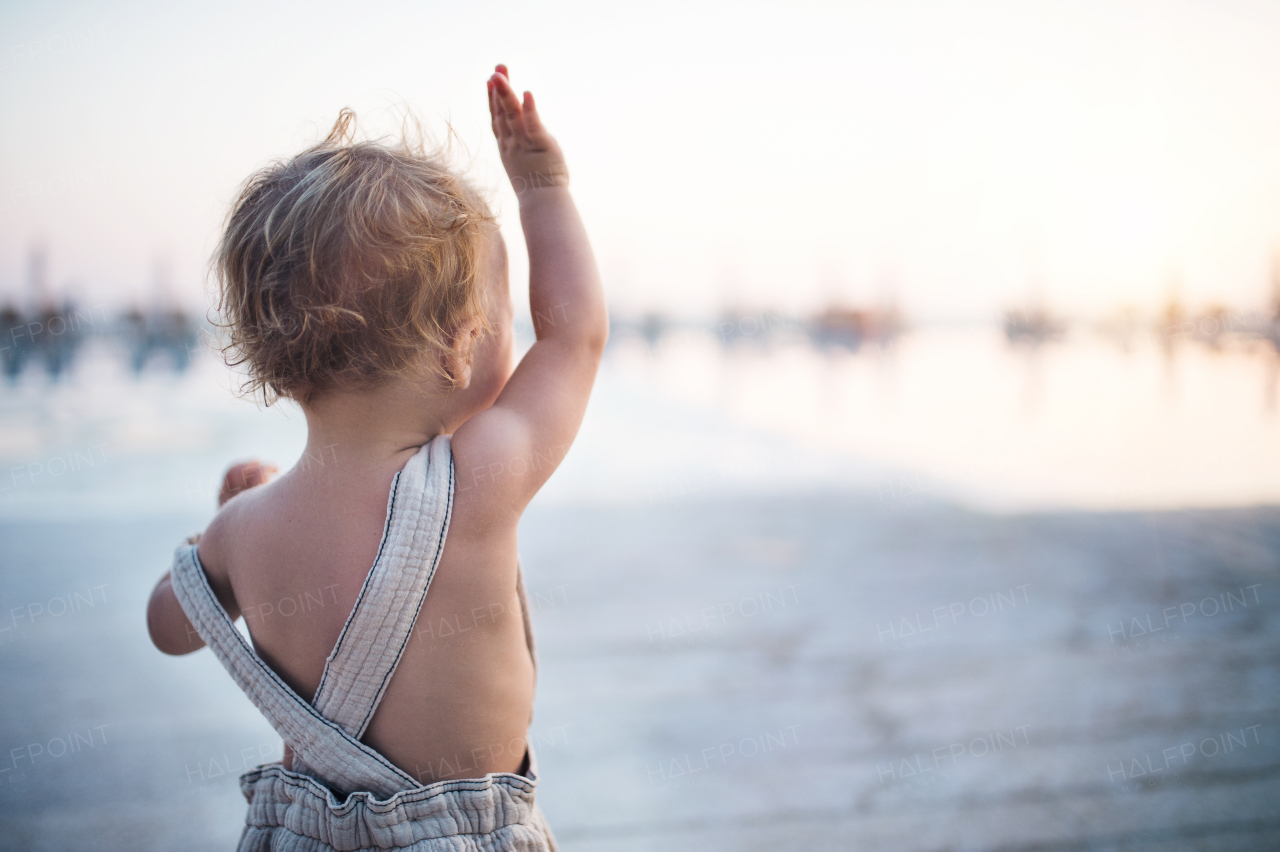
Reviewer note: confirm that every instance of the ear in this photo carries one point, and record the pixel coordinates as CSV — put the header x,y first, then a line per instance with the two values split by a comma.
x,y
461,350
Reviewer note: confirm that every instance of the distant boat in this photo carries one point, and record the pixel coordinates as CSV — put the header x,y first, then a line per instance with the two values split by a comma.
x,y
60,337
159,331
849,328
1032,325
16,345
50,336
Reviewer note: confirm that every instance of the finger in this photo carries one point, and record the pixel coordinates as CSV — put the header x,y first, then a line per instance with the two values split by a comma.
x,y
501,121
245,480
493,110
234,478
265,472
510,107
507,99
246,475
532,121
228,490
502,87
498,109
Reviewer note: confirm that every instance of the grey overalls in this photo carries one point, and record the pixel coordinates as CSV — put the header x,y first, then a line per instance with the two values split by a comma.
x,y
341,794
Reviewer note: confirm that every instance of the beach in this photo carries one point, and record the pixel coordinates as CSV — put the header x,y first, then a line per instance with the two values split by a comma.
x,y
826,671
752,633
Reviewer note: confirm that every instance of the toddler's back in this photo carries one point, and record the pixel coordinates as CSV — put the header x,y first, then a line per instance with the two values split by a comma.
x,y
296,553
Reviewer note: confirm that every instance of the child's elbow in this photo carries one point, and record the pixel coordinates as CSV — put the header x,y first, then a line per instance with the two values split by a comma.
x,y
597,337
167,625
167,649
160,636
172,645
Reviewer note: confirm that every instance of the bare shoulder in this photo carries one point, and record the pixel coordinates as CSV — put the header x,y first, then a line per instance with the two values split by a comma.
x,y
500,462
236,523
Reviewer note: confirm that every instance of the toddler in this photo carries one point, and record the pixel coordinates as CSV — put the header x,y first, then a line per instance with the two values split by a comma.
x,y
368,282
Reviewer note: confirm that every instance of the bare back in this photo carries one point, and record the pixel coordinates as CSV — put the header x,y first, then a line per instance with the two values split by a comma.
x,y
295,554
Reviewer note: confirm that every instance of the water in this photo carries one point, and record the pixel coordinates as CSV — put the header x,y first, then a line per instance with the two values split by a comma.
x,y
952,414
1084,423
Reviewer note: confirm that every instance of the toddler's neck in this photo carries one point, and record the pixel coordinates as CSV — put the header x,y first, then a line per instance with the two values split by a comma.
x,y
372,428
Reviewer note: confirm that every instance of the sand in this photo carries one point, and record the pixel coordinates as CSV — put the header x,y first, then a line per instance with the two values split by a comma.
x,y
822,671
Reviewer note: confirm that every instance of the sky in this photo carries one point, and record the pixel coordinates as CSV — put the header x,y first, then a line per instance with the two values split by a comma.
x,y
957,158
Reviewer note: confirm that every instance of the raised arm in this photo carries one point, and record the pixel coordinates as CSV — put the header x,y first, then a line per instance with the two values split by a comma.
x,y
525,434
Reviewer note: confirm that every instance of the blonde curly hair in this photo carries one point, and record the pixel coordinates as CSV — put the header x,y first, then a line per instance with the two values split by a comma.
x,y
340,267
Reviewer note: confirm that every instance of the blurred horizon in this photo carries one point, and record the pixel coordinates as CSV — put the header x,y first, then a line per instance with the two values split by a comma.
x,y
140,418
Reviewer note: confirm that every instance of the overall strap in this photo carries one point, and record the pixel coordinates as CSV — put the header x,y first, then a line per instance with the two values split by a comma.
x,y
344,762
372,641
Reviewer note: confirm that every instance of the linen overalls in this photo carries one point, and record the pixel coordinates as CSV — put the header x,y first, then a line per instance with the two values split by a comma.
x,y
342,795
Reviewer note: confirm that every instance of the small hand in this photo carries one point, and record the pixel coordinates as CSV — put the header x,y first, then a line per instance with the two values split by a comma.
x,y
529,153
242,477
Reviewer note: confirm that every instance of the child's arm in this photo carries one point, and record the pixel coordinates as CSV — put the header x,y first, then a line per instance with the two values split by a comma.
x,y
509,450
170,629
